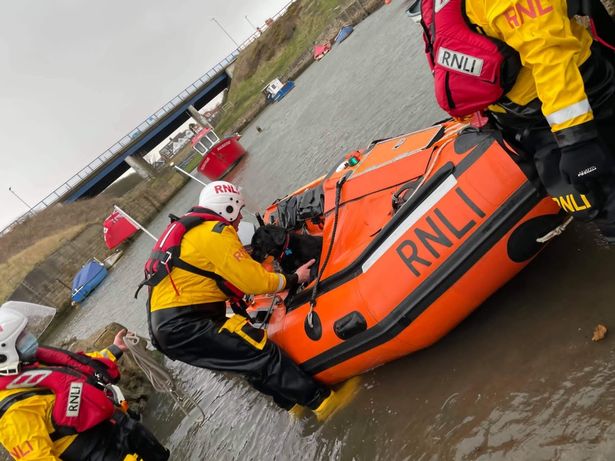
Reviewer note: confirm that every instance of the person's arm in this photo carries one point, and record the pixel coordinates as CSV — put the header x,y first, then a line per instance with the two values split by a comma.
x,y
24,434
115,351
548,47
233,262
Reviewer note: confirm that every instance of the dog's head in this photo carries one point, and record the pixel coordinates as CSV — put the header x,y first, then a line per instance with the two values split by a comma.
x,y
268,240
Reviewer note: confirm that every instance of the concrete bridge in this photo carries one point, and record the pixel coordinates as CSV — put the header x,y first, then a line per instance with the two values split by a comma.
x,y
129,150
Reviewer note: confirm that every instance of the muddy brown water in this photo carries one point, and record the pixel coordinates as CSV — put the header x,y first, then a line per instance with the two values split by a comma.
x,y
520,379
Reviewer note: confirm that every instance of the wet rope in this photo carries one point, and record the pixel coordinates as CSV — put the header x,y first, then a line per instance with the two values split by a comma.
x,y
160,378
555,232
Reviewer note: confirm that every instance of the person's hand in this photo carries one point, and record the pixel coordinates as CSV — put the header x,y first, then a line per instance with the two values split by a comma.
x,y
303,272
584,164
119,340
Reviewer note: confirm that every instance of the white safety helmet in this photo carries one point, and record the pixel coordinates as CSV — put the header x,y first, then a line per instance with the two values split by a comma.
x,y
12,325
16,342
222,198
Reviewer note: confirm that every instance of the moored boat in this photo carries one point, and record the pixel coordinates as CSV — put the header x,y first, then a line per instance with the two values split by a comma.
x,y
89,277
219,155
418,230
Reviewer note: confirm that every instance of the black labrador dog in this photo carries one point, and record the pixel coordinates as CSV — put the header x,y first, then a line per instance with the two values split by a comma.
x,y
291,250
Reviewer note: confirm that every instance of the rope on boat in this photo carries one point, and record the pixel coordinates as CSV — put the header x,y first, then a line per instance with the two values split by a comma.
x,y
430,167
555,232
274,302
160,378
338,190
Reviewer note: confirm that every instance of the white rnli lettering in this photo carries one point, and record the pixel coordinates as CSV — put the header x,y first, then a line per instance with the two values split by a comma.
x,y
589,170
460,62
74,399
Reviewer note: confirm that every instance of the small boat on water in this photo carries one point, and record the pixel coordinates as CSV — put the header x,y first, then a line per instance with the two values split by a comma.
x,y
343,34
418,230
320,50
117,229
276,90
219,155
89,277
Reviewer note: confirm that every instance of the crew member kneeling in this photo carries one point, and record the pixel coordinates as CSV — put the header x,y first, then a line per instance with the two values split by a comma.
x,y
195,267
56,405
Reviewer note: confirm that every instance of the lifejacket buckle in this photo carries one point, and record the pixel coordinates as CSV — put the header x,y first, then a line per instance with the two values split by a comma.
x,y
167,259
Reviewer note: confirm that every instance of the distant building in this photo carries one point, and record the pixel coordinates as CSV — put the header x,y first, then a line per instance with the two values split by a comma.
x,y
175,144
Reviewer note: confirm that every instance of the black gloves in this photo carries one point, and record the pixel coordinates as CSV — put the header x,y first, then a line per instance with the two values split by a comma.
x,y
584,164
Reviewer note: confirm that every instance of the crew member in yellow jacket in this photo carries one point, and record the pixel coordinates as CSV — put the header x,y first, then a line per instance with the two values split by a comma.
x,y
561,110
187,303
57,405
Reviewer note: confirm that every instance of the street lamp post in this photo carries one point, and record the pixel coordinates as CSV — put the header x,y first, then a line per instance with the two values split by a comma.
x,y
250,22
224,30
20,199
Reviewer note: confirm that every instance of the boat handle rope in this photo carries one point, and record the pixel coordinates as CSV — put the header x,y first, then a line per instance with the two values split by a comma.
x,y
555,232
274,302
432,163
338,193
160,379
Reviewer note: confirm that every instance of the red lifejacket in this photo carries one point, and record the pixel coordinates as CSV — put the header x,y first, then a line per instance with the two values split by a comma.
x,y
166,253
471,70
76,380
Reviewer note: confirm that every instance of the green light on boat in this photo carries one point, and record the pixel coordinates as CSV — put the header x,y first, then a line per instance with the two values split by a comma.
x,y
352,161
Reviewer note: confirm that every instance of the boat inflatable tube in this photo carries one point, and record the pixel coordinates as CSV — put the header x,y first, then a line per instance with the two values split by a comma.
x,y
427,226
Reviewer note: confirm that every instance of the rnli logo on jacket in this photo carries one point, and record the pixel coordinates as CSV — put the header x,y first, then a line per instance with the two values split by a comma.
x,y
439,4
460,62
74,399
525,10
30,378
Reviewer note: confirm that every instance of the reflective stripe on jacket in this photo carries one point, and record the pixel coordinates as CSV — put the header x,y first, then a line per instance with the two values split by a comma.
x,y
551,48
217,249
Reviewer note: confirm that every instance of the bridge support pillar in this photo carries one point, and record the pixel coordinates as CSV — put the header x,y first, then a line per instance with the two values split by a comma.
x,y
141,167
198,117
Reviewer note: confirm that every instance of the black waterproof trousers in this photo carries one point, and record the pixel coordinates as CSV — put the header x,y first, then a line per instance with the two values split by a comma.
x,y
526,128
114,440
202,336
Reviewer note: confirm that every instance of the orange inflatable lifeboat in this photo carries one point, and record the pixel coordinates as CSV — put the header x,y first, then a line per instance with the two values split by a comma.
x,y
418,230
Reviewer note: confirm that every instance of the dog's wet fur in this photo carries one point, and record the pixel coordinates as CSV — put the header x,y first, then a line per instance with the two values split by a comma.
x,y
269,240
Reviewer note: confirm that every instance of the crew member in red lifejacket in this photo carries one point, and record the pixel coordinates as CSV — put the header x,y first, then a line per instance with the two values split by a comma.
x,y
199,263
546,84
59,405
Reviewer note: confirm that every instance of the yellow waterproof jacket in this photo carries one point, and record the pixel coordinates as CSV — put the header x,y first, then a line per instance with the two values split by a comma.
x,y
215,248
551,47
26,425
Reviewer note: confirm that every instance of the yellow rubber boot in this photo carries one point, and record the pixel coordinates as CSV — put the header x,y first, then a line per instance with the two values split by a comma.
x,y
297,411
338,399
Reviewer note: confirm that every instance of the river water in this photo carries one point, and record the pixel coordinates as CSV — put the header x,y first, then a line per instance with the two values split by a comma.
x,y
519,379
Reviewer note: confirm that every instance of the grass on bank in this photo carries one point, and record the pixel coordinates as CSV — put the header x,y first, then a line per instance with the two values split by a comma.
x,y
18,266
290,37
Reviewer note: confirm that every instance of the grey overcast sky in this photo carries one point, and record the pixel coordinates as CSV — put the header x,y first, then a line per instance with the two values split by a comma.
x,y
77,75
